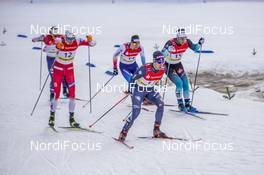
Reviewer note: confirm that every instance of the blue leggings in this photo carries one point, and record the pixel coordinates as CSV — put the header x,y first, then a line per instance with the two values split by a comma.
x,y
178,76
50,61
128,70
138,95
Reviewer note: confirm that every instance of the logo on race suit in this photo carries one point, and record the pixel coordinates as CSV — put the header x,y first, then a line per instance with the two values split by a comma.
x,y
148,76
138,98
55,84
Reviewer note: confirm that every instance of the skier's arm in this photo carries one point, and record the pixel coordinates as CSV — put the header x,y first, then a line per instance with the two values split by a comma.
x,y
88,42
117,52
194,47
142,55
165,50
141,72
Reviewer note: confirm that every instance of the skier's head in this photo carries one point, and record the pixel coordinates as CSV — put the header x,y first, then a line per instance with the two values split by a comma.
x,y
53,30
135,42
69,37
181,37
158,60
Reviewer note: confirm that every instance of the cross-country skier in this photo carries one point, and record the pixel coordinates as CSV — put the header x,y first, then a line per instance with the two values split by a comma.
x,y
142,86
173,51
63,67
50,49
128,53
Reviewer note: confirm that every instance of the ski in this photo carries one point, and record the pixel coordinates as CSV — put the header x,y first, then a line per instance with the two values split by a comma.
x,y
170,138
79,129
53,129
124,143
188,113
78,99
211,113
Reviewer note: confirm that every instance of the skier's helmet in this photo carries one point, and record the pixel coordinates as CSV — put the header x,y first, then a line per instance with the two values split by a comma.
x,y
53,30
158,57
181,36
69,37
181,33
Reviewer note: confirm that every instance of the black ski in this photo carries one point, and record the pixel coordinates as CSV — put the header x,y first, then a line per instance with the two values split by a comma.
x,y
188,113
170,138
123,143
79,129
211,113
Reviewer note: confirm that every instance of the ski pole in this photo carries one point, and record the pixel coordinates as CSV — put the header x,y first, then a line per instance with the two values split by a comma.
x,y
109,110
166,81
196,74
40,65
98,92
90,86
39,95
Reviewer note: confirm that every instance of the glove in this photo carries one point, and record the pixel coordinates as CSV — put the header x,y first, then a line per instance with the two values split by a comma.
x,y
115,72
201,41
59,45
89,38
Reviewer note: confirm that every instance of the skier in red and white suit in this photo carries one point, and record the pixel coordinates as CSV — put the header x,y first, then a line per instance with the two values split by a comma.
x,y
63,67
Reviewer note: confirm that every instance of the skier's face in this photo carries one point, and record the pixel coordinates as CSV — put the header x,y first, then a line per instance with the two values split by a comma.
x,y
158,64
181,40
134,45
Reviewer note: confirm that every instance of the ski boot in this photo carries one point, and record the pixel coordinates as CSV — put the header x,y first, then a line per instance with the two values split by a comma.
x,y
73,123
122,136
52,119
190,108
182,108
157,133
65,92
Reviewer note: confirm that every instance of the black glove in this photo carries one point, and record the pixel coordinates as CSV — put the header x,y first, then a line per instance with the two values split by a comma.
x,y
201,41
115,72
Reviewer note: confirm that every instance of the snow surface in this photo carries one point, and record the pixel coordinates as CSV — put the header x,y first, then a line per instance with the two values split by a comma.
x,y
19,71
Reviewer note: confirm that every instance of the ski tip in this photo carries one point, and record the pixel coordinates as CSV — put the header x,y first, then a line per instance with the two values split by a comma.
x,y
22,36
109,73
117,45
36,48
90,65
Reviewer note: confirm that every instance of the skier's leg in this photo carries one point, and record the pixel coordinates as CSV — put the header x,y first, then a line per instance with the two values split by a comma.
x,y
186,94
137,99
179,86
155,98
69,77
125,71
57,78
